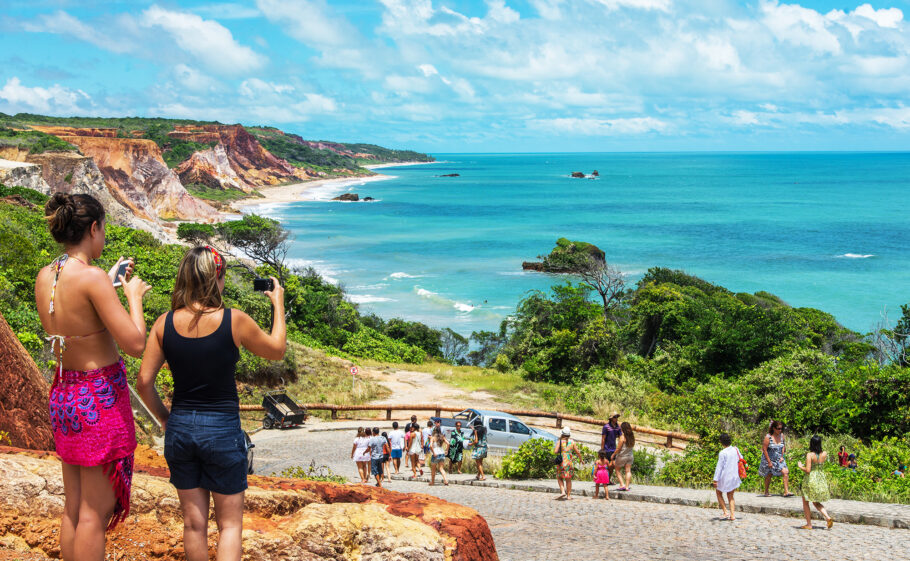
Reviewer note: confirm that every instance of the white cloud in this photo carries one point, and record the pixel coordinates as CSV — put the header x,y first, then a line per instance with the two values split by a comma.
x,y
194,80
254,87
311,22
659,5
801,26
207,40
227,10
428,70
601,127
885,17
62,23
53,100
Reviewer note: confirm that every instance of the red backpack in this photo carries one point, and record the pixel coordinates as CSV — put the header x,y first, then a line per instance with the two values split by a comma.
x,y
743,466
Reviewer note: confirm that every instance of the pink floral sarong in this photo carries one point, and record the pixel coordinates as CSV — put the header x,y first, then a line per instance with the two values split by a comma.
x,y
92,420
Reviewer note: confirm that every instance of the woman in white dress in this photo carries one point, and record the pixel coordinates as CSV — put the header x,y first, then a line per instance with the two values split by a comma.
x,y
360,453
726,475
416,447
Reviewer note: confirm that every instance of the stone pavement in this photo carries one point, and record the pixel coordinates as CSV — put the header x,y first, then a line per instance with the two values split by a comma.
x,y
529,526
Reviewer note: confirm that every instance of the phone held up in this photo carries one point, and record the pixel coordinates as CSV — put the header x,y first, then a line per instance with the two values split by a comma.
x,y
121,272
262,285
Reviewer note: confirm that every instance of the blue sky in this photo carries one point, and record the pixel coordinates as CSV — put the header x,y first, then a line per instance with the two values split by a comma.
x,y
481,76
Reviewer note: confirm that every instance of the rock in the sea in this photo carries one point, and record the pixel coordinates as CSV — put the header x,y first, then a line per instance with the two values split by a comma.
x,y
449,175
595,173
578,174
23,399
367,199
285,519
350,197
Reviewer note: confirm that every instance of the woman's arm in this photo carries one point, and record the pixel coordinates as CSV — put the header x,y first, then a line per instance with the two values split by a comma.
x,y
270,346
719,470
127,327
808,467
152,361
619,445
764,448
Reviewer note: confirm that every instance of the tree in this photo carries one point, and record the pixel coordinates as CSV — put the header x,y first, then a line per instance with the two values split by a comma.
x,y
893,345
453,345
196,234
488,344
261,239
604,279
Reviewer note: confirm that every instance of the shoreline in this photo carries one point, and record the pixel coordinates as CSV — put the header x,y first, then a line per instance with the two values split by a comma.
x,y
293,192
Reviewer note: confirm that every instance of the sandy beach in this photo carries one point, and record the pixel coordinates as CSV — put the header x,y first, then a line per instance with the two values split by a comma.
x,y
296,192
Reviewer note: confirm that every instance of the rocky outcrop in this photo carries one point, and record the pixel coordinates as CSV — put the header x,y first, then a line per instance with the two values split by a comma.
x,y
568,257
284,519
23,400
255,165
449,175
140,180
212,168
69,172
22,174
348,197
14,153
578,175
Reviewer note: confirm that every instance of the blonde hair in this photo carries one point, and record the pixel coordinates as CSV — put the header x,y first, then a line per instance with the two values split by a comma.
x,y
196,286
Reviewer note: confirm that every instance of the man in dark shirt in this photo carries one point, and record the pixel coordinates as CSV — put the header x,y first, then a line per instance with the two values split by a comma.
x,y
608,436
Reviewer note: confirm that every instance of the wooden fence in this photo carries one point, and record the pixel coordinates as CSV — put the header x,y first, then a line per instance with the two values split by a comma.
x,y
438,409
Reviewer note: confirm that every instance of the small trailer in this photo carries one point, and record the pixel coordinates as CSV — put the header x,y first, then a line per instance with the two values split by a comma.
x,y
281,411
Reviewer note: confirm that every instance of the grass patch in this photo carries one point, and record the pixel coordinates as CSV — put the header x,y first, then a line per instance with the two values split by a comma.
x,y
207,193
35,142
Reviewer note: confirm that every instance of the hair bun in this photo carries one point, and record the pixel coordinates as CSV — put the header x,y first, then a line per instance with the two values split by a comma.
x,y
69,216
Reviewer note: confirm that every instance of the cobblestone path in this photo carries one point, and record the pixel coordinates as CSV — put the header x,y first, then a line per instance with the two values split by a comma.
x,y
530,526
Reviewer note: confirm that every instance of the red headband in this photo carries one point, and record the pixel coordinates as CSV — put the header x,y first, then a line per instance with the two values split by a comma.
x,y
219,262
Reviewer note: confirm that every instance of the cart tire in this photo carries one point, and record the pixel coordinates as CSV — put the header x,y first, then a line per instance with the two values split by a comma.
x,y
267,422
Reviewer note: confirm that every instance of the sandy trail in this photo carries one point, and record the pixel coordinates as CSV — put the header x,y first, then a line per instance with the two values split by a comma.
x,y
412,387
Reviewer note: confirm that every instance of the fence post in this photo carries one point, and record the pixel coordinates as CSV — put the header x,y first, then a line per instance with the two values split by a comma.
x,y
669,441
334,413
388,414
559,420
438,411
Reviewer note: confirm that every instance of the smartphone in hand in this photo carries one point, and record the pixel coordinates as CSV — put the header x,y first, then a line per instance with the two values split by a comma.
x,y
121,271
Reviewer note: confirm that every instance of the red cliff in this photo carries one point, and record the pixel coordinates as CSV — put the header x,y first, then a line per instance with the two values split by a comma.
x,y
23,399
249,160
140,179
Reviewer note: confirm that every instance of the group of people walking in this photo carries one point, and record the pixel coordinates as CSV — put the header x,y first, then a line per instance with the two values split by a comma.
x,y
731,468
418,447
614,459
90,412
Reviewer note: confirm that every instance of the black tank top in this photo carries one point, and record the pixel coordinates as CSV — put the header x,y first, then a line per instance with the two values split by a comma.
x,y
203,367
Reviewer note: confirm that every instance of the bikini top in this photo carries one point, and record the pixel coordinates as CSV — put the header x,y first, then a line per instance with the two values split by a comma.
x,y
58,342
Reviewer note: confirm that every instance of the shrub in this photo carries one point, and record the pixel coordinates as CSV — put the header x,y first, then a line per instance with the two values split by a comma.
x,y
311,473
370,343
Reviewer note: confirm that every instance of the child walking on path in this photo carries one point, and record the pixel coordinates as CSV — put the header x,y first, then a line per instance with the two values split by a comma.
x,y
815,485
726,476
602,475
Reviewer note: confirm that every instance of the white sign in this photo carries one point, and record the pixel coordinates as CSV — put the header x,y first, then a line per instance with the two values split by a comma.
x,y
354,370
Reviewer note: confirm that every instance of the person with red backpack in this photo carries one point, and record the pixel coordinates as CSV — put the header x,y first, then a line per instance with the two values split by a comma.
x,y
727,475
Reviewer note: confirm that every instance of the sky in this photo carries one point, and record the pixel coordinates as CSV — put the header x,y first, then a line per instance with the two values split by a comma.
x,y
479,76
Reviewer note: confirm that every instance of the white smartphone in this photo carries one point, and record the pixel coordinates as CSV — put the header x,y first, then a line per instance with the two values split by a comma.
x,y
121,270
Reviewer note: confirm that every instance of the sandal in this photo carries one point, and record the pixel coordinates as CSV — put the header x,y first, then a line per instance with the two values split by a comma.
x,y
785,495
806,527
830,522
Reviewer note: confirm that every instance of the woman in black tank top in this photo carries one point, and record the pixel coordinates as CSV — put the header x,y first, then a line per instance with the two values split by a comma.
x,y
204,446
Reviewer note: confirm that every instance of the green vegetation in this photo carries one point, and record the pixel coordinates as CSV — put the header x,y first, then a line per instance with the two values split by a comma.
x,y
201,191
571,256
292,149
124,125
387,154
311,473
173,150
34,141
534,460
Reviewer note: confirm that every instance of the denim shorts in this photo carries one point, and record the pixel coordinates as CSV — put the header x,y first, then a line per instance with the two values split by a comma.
x,y
206,449
376,466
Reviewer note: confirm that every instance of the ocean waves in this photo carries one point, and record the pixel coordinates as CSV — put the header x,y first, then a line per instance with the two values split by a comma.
x,y
855,256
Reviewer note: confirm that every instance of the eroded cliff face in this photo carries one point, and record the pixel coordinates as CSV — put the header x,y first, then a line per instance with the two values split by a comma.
x,y
140,179
284,519
104,132
23,399
69,172
212,168
249,160
22,174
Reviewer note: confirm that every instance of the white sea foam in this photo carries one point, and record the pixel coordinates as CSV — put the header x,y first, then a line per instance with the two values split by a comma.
x,y
327,271
443,301
367,298
462,307
403,276
856,255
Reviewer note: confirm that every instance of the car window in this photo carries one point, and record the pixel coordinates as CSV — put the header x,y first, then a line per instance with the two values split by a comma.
x,y
518,428
498,424
463,415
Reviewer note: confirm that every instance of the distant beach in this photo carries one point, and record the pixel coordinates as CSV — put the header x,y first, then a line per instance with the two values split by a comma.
x,y
297,192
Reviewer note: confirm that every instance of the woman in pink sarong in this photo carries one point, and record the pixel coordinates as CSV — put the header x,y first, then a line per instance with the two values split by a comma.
x,y
90,409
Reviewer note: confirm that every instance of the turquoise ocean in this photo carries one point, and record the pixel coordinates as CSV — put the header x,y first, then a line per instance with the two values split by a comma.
x,y
823,230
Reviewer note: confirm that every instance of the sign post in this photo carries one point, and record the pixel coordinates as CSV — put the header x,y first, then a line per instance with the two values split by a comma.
x,y
353,377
